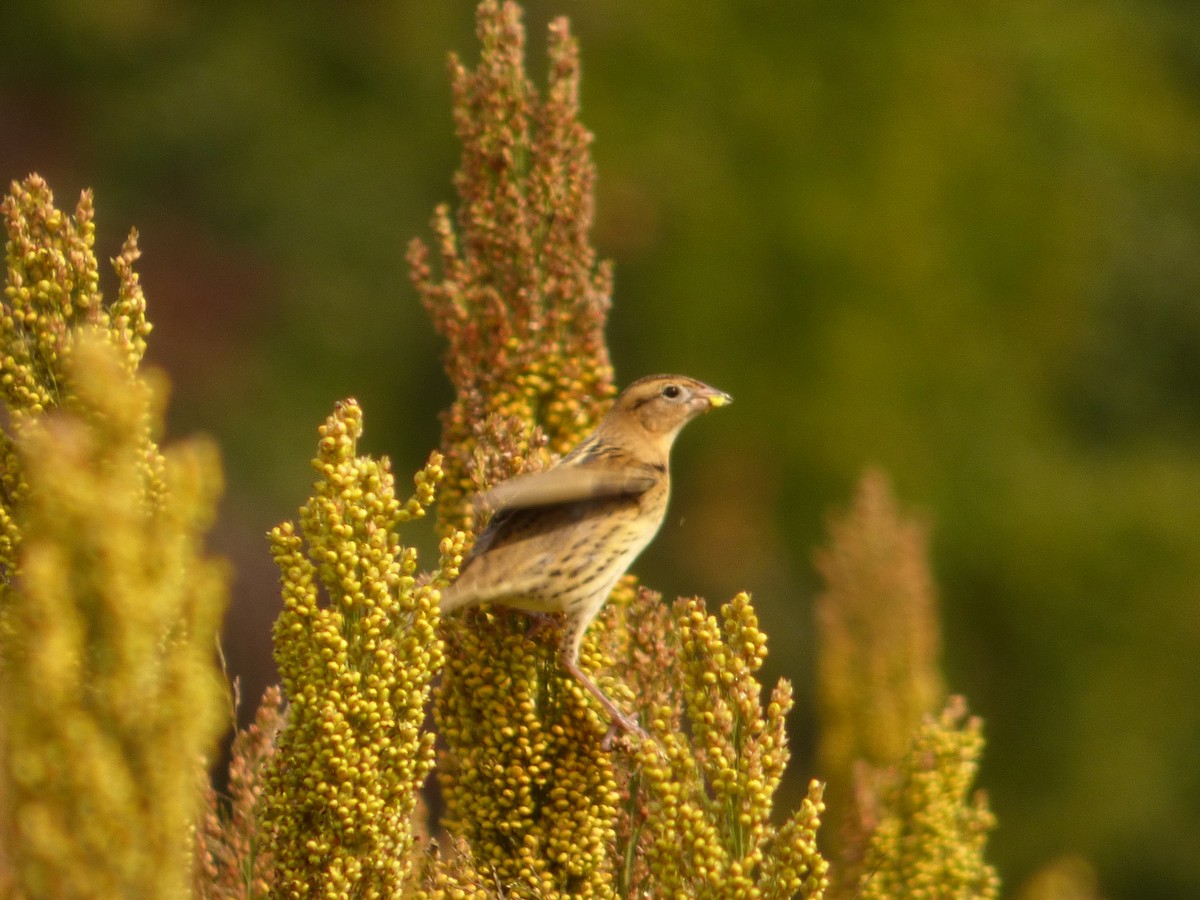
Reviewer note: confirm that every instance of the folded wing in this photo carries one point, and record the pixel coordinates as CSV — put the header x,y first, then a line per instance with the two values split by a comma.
x,y
569,484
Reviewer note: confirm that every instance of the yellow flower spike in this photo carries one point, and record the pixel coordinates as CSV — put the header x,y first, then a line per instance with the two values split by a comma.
x,y
879,670
353,743
707,804
931,833
107,634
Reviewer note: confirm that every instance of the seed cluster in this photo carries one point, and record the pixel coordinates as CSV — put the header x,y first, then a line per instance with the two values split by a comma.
x,y
708,795
357,649
880,641
520,298
931,832
109,608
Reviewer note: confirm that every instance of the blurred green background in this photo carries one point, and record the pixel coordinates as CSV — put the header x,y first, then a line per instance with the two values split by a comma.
x,y
957,241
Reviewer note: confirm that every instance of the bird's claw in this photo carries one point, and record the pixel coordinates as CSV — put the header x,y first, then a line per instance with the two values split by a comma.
x,y
621,726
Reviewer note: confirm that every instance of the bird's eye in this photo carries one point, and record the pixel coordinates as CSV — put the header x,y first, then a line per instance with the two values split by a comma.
x,y
672,391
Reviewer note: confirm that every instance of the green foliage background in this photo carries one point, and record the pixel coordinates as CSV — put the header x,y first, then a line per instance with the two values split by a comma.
x,y
961,242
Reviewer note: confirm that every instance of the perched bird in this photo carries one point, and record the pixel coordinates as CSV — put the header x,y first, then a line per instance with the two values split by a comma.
x,y
561,538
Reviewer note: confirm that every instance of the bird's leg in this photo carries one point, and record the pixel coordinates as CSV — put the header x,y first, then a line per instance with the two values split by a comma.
x,y
627,723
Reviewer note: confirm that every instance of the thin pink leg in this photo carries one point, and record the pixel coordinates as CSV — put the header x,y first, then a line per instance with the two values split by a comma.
x,y
628,723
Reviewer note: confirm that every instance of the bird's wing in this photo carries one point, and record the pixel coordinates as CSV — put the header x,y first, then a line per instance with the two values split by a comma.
x,y
570,484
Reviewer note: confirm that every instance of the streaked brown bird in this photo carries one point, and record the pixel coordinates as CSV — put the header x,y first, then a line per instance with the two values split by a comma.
x,y
560,539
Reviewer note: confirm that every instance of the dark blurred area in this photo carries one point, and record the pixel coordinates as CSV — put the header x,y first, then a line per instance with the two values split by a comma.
x,y
957,241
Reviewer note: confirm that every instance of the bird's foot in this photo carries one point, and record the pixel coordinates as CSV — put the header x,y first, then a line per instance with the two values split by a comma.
x,y
621,726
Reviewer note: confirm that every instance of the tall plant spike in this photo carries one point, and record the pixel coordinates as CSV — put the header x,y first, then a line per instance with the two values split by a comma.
x,y
520,298
706,810
522,304
930,829
529,787
357,650
233,861
51,290
109,611
879,639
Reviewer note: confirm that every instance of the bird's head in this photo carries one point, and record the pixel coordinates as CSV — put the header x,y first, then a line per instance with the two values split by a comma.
x,y
658,406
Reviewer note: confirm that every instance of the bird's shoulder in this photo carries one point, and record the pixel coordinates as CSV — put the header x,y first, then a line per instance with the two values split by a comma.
x,y
595,469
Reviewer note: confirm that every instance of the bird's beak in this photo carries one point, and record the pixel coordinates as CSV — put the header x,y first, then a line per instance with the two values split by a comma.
x,y
717,399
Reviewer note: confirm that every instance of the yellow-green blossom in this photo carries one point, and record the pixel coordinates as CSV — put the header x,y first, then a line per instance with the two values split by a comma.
x,y
879,640
709,789
357,648
51,291
109,609
931,830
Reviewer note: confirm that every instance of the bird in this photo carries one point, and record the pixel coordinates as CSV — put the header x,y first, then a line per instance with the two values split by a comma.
x,y
560,539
